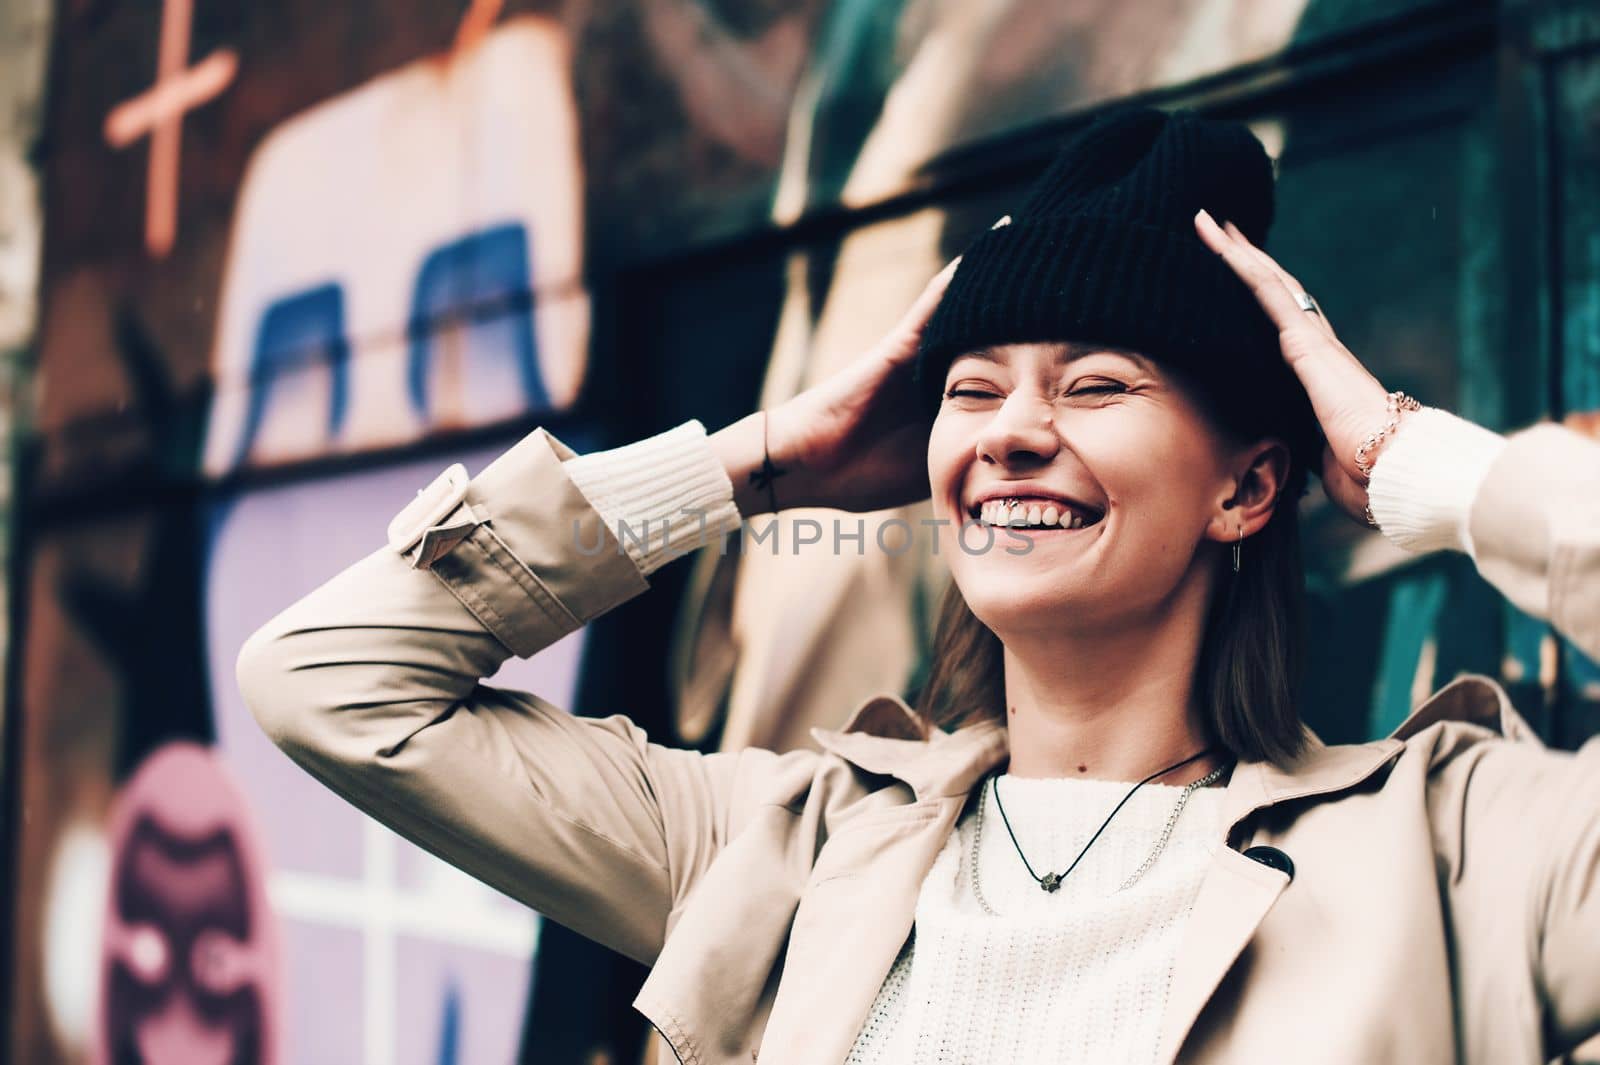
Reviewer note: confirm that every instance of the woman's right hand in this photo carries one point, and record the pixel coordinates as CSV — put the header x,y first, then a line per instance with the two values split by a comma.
x,y
855,441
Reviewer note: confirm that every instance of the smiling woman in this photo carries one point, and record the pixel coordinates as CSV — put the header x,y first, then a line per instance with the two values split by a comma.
x,y
1103,834
1136,453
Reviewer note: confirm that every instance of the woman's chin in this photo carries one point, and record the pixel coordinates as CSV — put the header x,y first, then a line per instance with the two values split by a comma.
x,y
1020,604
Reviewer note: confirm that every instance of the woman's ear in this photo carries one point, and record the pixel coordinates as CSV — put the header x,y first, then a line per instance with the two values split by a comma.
x,y
1260,473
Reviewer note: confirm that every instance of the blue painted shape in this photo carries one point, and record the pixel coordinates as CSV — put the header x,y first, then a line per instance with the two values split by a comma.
x,y
450,1027
482,286
1415,603
297,333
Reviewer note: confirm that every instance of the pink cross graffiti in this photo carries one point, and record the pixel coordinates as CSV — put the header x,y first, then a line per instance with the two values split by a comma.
x,y
159,112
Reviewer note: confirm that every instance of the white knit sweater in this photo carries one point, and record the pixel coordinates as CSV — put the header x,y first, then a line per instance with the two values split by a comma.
x,y
1075,976
1080,975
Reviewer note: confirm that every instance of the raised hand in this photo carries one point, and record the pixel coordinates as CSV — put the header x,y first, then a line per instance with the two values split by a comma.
x,y
857,440
1349,401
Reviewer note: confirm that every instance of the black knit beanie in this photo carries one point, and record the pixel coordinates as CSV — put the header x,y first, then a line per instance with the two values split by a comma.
x,y
1103,250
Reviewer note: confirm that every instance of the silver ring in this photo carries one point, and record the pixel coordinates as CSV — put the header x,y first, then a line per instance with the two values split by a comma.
x,y
1307,303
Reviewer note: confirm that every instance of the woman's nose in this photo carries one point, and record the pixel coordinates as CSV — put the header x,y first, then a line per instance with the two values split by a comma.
x,y
1022,430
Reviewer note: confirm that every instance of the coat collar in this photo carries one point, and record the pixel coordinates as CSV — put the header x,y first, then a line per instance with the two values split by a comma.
x,y
1475,699
884,736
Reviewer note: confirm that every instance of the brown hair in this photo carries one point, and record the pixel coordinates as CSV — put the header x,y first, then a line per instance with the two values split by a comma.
x,y
1251,653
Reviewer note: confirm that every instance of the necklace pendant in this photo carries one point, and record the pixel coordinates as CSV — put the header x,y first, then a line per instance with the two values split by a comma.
x,y
1050,882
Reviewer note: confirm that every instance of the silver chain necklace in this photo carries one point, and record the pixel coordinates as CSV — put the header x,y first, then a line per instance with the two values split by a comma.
x,y
1052,881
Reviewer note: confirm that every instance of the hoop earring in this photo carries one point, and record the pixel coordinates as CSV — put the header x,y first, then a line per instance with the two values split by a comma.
x,y
1236,545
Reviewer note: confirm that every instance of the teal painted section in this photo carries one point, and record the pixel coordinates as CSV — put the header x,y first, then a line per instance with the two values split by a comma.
x,y
1415,602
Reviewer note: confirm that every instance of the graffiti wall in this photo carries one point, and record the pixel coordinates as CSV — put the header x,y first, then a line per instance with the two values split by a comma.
x,y
300,257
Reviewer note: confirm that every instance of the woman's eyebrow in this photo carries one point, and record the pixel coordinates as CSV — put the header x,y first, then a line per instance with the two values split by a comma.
x,y
1076,350
984,354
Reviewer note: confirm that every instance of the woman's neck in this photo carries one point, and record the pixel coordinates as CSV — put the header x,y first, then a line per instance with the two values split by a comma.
x,y
1114,705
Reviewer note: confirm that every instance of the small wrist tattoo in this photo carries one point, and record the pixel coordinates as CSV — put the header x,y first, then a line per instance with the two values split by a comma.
x,y
768,472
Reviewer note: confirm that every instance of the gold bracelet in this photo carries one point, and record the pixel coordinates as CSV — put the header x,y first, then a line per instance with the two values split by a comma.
x,y
1397,403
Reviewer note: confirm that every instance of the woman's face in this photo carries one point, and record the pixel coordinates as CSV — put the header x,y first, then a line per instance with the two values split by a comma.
x,y
1089,436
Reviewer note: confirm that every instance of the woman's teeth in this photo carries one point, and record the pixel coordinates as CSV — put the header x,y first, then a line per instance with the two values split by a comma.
x,y
1026,515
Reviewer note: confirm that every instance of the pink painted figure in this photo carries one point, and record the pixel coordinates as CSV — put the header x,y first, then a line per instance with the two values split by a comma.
x,y
190,956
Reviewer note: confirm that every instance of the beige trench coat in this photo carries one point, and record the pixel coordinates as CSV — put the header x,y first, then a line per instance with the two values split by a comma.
x,y
1445,897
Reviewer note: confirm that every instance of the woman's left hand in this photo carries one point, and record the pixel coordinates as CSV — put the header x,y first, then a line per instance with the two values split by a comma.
x,y
1349,402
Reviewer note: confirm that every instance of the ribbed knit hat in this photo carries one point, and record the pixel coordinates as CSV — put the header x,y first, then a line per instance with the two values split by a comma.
x,y
1103,249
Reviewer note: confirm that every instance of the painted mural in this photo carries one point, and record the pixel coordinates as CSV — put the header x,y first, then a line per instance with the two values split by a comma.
x,y
189,944
431,281
301,257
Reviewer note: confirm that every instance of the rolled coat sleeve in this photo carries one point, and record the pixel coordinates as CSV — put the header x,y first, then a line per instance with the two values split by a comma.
x,y
373,683
1535,523
1525,506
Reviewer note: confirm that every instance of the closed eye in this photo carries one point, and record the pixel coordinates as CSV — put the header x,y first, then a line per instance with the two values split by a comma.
x,y
958,392
1111,387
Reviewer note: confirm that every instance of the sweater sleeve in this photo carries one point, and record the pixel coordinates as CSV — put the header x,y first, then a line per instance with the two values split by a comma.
x,y
1525,506
662,496
1426,477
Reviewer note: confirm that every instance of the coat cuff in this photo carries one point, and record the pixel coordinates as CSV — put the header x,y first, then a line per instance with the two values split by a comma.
x,y
661,497
1426,477
519,545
